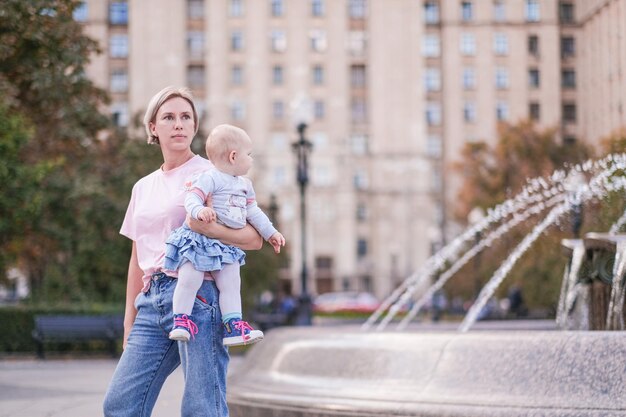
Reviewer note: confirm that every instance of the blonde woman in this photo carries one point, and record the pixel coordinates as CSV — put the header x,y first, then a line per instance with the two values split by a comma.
x,y
156,208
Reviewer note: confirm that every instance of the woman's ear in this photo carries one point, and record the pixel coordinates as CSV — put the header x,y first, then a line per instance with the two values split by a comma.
x,y
232,156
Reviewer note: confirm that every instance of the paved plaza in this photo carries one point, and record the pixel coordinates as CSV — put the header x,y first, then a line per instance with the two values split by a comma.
x,y
71,388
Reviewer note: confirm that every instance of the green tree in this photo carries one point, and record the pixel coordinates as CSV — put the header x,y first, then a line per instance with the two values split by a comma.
x,y
492,175
43,54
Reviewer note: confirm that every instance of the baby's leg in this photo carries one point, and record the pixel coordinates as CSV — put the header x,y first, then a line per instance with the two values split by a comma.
x,y
228,281
189,282
236,331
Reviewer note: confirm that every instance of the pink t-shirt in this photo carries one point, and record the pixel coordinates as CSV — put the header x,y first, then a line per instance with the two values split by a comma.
x,y
156,208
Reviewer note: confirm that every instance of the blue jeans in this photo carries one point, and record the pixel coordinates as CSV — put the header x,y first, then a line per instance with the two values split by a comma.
x,y
150,356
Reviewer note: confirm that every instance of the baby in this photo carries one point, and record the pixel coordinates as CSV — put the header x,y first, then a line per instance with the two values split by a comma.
x,y
192,254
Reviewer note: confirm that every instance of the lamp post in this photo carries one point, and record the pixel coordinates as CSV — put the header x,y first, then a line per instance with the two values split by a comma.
x,y
302,148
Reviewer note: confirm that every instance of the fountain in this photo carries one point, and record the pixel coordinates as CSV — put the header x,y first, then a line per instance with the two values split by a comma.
x,y
372,371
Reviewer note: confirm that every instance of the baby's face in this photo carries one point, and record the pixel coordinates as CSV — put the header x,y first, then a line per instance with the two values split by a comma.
x,y
243,159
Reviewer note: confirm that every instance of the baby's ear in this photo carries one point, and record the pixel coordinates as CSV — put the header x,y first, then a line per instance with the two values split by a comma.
x,y
232,156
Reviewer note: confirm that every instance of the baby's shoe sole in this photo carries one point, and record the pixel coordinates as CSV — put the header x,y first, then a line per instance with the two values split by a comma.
x,y
180,334
255,336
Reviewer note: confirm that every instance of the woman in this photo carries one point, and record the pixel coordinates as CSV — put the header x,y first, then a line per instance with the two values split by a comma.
x,y
155,209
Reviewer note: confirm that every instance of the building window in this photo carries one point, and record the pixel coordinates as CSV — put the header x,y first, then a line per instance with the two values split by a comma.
x,y
432,79
80,12
361,248
534,111
361,181
533,45
119,81
359,110
236,8
433,114
357,76
468,44
279,176
237,75
501,44
318,75
195,76
118,46
502,111
357,42
359,144
278,40
277,75
533,78
118,13
357,9
278,110
569,112
195,9
532,11
568,78
431,12
499,11
319,109
236,40
467,12
469,78
434,146
568,47
238,110
431,46
318,40
569,140
277,7
469,112
317,8
566,12
502,78
361,212
119,114
195,44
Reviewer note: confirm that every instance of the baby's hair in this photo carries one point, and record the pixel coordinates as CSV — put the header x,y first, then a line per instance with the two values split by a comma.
x,y
222,140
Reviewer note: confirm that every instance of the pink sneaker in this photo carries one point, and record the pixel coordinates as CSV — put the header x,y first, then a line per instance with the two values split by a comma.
x,y
184,328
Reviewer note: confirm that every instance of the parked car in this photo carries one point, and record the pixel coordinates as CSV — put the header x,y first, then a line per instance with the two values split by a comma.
x,y
345,301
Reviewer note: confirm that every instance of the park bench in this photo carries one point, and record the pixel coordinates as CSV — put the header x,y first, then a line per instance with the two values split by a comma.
x,y
74,328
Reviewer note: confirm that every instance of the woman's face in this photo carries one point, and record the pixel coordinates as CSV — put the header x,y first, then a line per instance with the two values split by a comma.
x,y
174,125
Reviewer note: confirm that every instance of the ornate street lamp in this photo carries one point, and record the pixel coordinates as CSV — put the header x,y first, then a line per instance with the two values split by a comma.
x,y
302,148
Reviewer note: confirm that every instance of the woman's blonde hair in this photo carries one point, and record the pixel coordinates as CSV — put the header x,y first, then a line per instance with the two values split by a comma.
x,y
157,101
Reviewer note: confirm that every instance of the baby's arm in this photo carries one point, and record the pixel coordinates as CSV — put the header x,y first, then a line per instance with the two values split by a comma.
x,y
196,194
261,222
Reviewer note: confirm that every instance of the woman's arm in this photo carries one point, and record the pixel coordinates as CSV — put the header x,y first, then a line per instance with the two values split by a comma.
x,y
247,238
133,287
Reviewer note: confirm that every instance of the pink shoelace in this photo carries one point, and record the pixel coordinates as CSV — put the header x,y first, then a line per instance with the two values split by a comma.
x,y
187,323
243,326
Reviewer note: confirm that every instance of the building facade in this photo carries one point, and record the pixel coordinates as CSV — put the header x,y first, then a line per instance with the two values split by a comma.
x,y
394,88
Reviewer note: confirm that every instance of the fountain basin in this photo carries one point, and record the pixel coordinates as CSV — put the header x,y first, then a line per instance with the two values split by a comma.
x,y
343,371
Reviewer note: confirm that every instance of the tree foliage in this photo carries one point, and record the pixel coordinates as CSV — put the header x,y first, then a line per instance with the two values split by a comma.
x,y
67,173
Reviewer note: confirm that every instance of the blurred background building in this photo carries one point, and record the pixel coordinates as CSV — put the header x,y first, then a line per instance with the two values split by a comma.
x,y
395,87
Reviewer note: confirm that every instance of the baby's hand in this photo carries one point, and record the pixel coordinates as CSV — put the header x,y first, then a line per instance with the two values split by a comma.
x,y
207,214
277,240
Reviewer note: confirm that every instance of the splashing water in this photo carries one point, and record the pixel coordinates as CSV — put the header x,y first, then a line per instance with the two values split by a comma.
x,y
615,316
570,287
537,192
600,185
485,242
